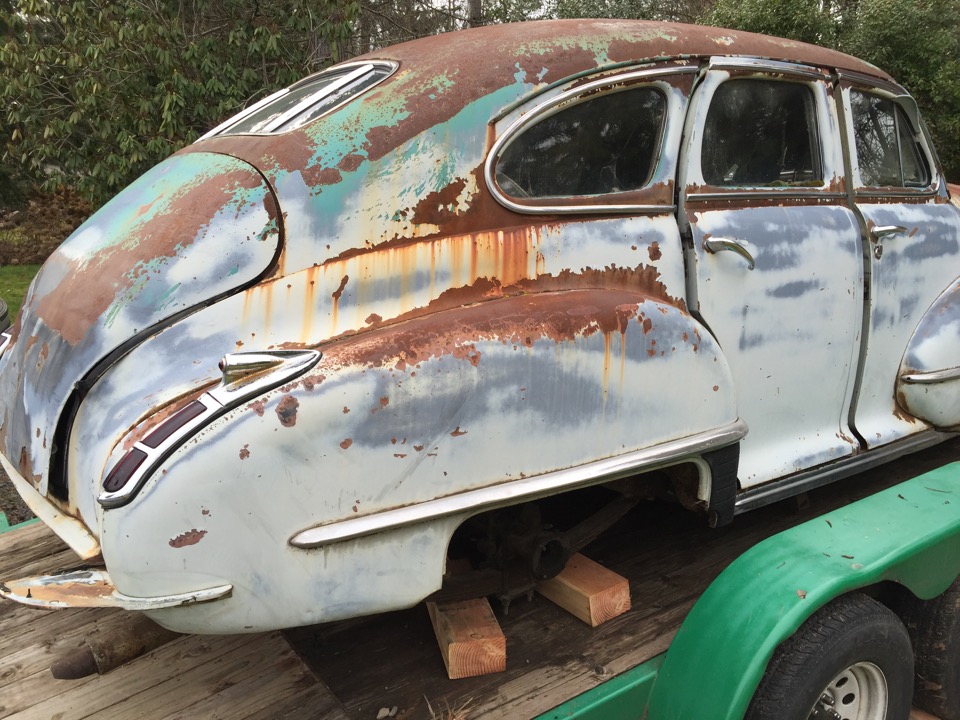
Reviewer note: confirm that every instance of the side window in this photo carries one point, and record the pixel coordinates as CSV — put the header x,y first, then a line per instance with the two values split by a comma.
x,y
888,151
607,144
761,132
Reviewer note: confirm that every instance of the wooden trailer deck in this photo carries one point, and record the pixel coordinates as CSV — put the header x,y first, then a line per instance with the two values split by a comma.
x,y
370,667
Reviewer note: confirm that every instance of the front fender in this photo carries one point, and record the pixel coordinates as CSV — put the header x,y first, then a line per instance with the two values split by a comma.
x,y
928,384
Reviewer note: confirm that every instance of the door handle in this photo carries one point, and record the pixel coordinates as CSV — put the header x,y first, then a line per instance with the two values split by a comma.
x,y
878,232
715,245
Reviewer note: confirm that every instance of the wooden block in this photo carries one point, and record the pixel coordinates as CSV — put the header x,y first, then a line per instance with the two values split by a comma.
x,y
470,638
587,590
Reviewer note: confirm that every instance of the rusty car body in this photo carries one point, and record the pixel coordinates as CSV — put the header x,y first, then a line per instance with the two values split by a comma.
x,y
268,383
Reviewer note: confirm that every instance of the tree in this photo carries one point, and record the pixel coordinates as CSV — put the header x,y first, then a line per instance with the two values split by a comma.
x,y
99,91
918,43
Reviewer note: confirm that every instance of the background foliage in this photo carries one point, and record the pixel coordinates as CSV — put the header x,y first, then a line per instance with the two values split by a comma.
x,y
95,92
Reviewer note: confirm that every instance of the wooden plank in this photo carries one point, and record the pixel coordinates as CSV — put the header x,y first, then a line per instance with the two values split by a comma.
x,y
588,591
310,703
470,638
131,690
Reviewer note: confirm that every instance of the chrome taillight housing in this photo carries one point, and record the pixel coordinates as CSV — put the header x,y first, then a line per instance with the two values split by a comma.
x,y
245,375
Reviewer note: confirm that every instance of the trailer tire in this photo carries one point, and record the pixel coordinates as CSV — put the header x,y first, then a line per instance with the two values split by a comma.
x,y
936,631
853,656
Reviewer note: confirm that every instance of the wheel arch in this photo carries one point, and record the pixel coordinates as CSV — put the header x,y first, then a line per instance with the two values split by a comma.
x,y
908,534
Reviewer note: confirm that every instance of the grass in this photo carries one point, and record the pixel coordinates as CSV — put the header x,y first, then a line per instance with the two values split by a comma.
x,y
14,281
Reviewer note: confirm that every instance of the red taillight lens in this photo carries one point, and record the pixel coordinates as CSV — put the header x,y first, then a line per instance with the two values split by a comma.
x,y
124,470
176,421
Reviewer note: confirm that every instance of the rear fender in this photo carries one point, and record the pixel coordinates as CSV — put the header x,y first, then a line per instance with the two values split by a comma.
x,y
491,396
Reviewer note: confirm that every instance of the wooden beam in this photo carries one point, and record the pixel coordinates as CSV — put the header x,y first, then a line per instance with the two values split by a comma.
x,y
588,591
470,638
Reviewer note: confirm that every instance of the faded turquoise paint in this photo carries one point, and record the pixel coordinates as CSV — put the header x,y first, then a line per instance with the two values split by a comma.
x,y
381,193
622,698
908,534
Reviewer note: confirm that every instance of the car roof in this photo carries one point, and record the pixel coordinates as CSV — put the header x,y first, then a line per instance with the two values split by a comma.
x,y
569,47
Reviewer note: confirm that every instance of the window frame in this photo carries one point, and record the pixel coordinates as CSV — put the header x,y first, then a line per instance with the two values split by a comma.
x,y
721,70
901,99
626,201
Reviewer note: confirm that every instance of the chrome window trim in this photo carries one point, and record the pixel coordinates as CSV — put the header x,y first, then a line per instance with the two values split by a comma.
x,y
765,193
871,81
897,96
316,97
761,65
319,95
472,502
570,204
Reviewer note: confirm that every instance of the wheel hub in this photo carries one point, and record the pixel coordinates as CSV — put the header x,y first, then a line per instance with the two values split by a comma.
x,y
858,693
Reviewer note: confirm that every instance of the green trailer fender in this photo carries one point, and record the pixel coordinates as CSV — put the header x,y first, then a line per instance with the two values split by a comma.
x,y
908,534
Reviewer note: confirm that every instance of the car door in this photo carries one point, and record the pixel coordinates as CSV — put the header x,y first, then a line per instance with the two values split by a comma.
x,y
774,257
911,243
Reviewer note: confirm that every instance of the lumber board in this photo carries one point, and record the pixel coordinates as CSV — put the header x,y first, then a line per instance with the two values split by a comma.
x,y
588,591
471,642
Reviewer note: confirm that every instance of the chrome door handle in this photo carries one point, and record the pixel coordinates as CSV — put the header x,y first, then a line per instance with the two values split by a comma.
x,y
715,245
878,232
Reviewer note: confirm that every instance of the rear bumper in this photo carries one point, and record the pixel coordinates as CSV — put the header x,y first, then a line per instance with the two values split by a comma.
x,y
73,532
93,588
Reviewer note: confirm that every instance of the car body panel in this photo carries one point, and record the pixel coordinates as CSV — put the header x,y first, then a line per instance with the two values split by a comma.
x,y
478,349
134,264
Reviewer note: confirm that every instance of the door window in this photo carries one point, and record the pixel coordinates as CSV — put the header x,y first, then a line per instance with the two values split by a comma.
x,y
888,151
761,133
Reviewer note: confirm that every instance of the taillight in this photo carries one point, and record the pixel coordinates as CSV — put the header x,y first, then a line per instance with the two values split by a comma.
x,y
245,375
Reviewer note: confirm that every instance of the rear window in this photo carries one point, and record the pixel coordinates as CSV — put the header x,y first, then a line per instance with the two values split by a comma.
x,y
305,101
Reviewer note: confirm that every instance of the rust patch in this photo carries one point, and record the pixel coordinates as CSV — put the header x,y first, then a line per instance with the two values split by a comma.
x,y
191,537
458,432
287,410
350,162
384,401
258,406
440,207
346,443
345,409
339,291
244,452
101,277
373,319
399,455
654,251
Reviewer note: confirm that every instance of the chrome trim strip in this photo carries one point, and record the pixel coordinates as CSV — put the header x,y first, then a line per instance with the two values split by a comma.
x,y
65,590
925,193
5,339
527,119
762,65
871,81
243,114
765,194
691,66
229,394
312,99
811,479
932,377
514,491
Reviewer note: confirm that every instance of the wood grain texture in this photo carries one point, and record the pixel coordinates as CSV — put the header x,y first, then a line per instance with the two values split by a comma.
x,y
470,638
588,591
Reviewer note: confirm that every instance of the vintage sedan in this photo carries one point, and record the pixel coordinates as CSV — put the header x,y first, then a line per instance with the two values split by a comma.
x,y
377,318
